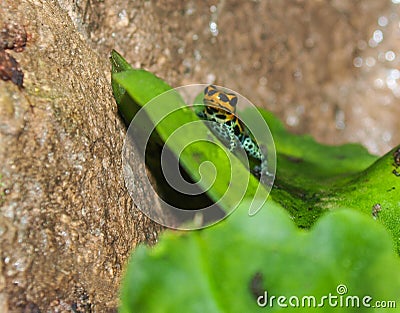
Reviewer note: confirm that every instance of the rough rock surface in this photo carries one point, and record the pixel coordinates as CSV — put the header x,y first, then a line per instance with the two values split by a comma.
x,y
67,224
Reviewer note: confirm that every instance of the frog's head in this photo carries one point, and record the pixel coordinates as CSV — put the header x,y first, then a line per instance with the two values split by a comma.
x,y
220,99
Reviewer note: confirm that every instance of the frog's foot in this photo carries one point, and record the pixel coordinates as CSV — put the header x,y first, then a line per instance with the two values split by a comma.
x,y
267,178
233,142
256,171
262,173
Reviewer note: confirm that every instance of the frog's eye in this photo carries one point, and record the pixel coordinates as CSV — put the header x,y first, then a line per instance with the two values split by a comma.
x,y
223,97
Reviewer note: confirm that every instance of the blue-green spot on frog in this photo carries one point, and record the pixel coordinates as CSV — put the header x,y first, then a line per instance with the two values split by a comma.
x,y
220,108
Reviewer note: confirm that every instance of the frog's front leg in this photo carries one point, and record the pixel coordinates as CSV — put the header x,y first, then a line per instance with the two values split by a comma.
x,y
232,141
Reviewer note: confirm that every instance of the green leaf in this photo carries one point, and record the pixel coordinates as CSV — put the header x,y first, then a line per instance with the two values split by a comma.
x,y
311,178
225,268
169,113
146,87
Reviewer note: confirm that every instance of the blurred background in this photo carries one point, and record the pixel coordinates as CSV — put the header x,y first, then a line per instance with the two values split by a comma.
x,y
328,68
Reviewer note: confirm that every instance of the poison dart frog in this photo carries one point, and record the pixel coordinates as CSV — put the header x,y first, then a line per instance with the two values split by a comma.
x,y
220,108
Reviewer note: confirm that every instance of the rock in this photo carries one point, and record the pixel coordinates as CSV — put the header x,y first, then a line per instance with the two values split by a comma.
x,y
67,224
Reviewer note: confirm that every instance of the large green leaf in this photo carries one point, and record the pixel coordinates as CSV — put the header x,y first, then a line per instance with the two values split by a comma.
x,y
227,267
311,177
169,113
